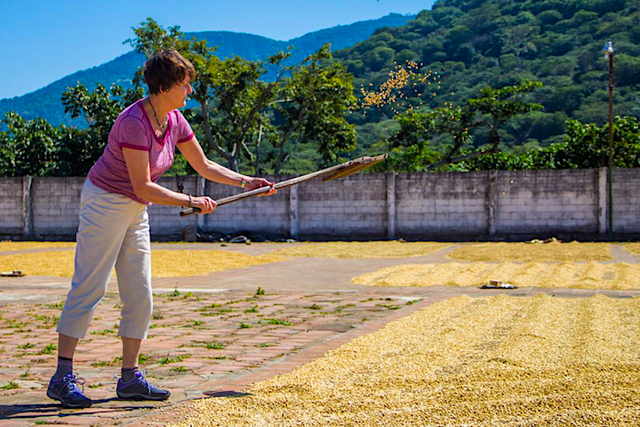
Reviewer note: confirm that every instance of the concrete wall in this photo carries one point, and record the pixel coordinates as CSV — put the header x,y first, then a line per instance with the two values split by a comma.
x,y
626,200
55,205
548,201
446,206
444,203
11,206
350,207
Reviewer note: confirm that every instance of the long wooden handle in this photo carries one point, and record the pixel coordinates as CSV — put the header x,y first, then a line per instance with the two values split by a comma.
x,y
334,172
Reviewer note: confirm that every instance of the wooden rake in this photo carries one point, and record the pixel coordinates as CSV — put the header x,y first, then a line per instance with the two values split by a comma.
x,y
334,172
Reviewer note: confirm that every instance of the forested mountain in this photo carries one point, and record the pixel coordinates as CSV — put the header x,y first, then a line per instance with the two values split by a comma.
x,y
473,44
46,102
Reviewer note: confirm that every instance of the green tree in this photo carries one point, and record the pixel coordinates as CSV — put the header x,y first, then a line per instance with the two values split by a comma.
x,y
585,145
491,110
379,58
237,108
316,99
80,150
28,146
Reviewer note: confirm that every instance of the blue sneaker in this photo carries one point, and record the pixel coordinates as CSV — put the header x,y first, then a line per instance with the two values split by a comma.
x,y
67,392
140,389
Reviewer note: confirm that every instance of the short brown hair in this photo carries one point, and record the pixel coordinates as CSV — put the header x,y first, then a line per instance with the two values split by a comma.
x,y
166,69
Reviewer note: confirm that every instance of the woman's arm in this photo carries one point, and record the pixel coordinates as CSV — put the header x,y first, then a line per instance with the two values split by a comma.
x,y
138,167
212,171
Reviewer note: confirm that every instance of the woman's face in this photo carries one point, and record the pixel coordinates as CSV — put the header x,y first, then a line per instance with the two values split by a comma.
x,y
177,95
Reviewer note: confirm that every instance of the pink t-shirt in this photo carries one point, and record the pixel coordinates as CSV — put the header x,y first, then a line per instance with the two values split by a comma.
x,y
133,129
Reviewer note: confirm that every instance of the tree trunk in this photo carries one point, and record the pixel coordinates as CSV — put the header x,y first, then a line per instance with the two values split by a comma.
x,y
233,163
257,164
207,131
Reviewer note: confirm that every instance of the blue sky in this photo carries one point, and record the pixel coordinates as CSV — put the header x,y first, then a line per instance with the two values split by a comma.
x,y
42,41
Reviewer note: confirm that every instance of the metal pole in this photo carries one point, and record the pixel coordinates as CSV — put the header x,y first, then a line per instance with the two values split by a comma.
x,y
610,180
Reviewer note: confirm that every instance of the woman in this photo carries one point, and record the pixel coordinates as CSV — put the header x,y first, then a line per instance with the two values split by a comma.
x,y
114,225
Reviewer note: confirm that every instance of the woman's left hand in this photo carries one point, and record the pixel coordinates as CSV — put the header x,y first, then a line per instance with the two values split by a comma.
x,y
255,183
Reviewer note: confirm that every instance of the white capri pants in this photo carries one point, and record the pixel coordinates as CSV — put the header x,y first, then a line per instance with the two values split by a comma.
x,y
113,230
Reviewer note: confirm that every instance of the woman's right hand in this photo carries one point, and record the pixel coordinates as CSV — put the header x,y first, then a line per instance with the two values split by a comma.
x,y
204,203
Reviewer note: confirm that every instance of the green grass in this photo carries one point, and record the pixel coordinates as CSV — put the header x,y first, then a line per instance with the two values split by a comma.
x,y
313,306
102,363
157,316
47,320
389,306
253,309
264,344
57,305
108,362
210,306
260,291
212,345
178,369
26,346
276,322
48,349
215,345
104,332
166,360
15,324
245,326
11,385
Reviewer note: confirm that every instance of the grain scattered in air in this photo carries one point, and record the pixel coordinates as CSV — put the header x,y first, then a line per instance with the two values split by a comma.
x,y
393,249
553,252
495,361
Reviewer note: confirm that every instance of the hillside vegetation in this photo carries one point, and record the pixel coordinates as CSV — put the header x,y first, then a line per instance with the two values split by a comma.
x,y
472,44
469,85
46,102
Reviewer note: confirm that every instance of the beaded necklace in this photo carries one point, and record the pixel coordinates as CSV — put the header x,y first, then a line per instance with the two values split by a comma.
x,y
155,115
